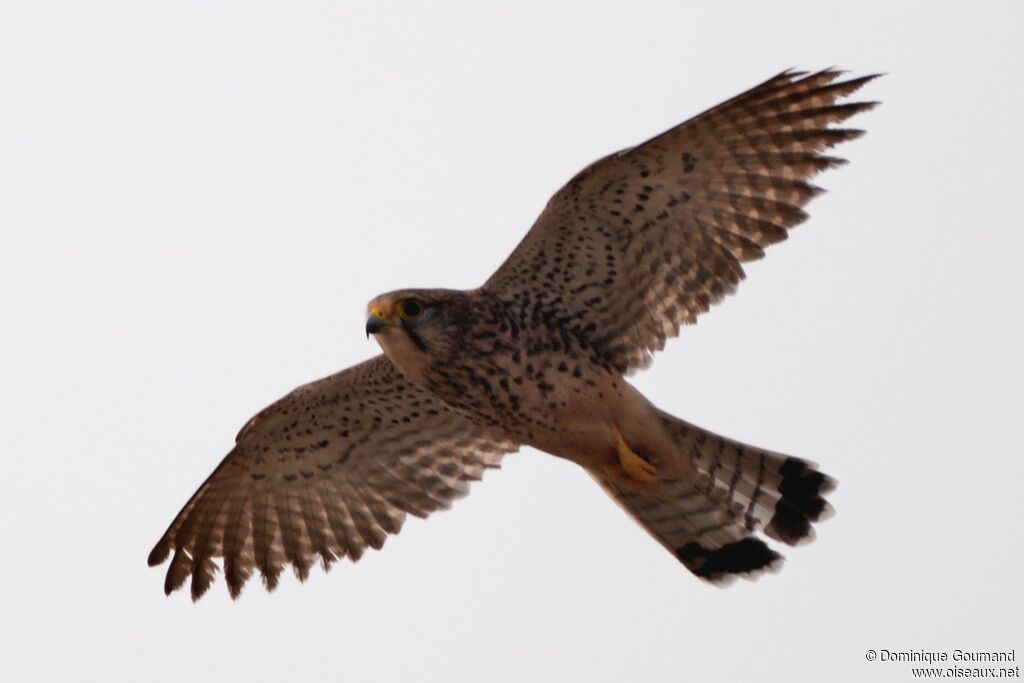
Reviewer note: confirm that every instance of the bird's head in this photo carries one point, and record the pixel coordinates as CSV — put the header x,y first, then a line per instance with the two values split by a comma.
x,y
414,326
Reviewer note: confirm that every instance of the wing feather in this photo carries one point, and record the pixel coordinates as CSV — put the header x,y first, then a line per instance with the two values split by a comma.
x,y
323,473
647,239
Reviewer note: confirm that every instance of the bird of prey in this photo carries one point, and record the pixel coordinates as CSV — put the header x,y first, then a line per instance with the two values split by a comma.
x,y
634,246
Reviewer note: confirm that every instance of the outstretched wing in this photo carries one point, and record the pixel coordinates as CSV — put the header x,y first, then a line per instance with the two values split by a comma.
x,y
647,239
331,468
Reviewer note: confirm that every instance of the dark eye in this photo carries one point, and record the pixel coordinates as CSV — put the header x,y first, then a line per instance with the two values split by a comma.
x,y
410,309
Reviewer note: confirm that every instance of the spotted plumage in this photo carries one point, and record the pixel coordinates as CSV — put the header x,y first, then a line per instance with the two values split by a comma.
x,y
636,245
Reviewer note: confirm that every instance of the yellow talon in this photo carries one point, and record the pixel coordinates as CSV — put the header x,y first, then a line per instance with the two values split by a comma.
x,y
632,464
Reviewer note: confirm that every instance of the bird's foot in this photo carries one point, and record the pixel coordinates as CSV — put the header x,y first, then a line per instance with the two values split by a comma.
x,y
631,465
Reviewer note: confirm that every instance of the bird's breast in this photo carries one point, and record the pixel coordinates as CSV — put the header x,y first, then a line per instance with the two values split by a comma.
x,y
538,389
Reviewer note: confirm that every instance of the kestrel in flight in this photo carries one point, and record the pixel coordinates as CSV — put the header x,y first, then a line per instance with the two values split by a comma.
x,y
636,245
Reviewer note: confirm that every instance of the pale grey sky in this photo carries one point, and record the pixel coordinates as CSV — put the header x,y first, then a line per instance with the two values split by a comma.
x,y
198,199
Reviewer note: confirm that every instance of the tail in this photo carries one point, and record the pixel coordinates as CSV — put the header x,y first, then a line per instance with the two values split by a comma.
x,y
709,518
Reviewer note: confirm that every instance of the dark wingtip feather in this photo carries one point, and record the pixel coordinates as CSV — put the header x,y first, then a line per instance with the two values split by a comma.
x,y
836,136
854,84
787,75
823,162
328,558
203,571
159,553
177,572
235,574
270,576
301,566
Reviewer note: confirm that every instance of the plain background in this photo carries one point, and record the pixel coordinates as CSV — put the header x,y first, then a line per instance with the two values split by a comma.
x,y
198,199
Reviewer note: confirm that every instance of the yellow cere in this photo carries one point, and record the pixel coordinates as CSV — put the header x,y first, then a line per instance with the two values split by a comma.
x,y
381,311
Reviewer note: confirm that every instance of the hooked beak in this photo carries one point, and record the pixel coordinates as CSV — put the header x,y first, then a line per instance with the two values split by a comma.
x,y
374,325
380,317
